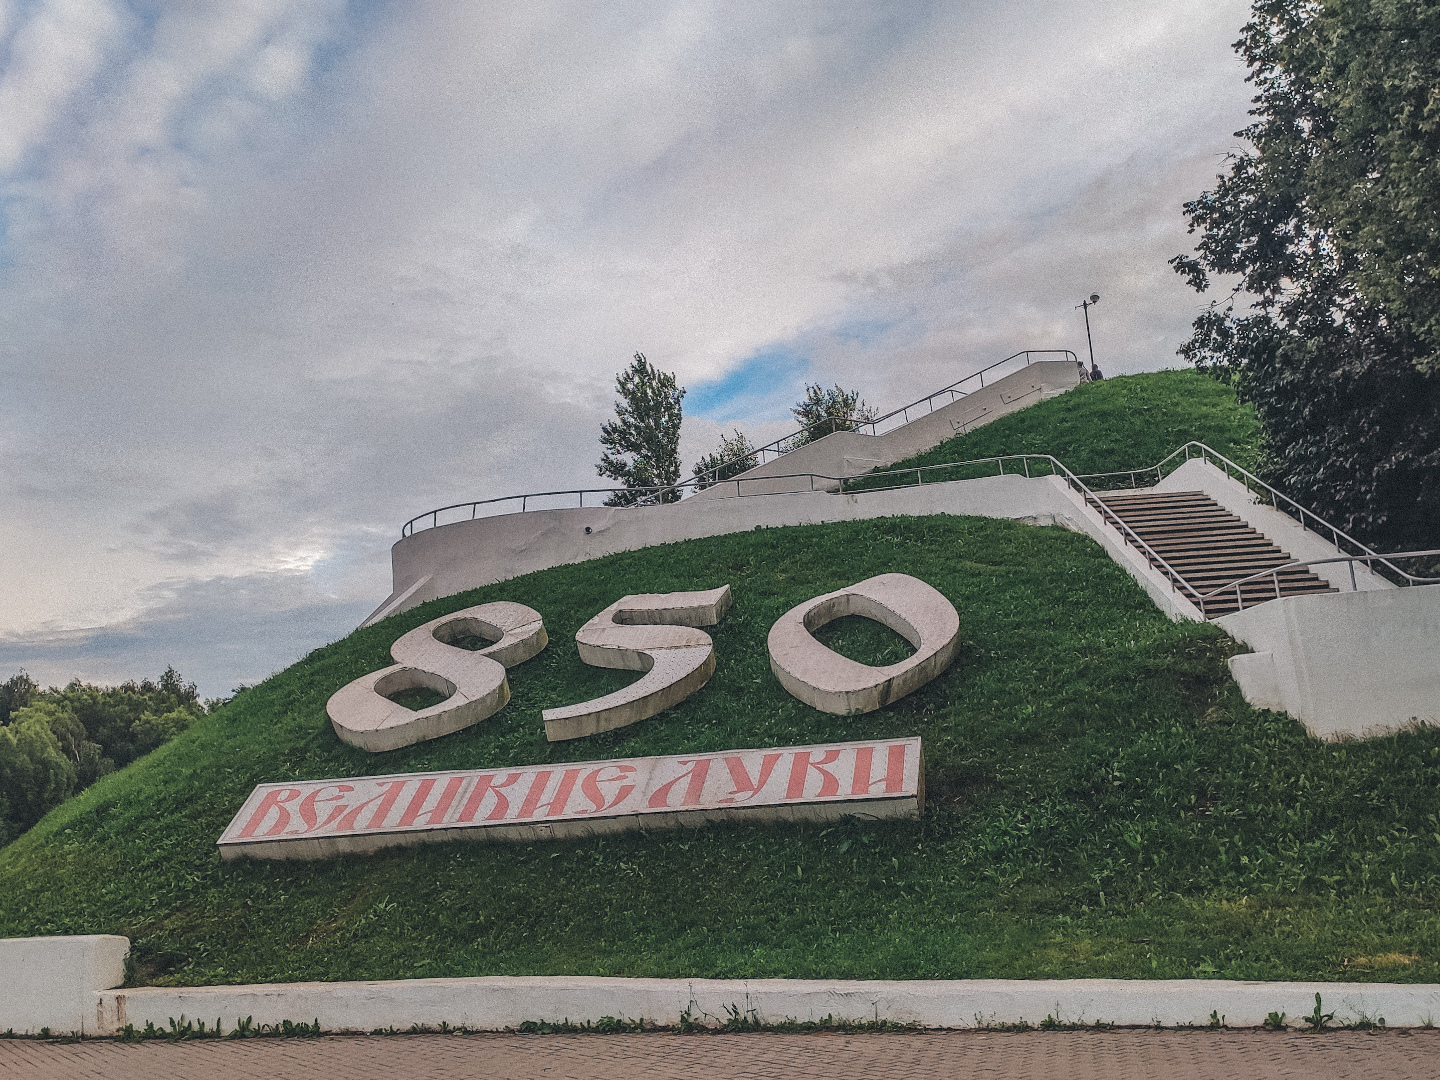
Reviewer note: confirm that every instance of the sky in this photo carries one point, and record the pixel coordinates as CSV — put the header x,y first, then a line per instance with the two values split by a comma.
x,y
278,275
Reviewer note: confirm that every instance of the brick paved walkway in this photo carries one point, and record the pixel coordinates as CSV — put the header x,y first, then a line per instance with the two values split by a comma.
x,y
1110,1055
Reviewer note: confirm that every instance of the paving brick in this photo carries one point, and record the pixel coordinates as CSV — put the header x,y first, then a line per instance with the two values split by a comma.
x,y
1105,1055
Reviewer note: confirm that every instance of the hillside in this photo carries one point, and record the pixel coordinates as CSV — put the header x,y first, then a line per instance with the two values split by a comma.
x,y
1101,800
1123,423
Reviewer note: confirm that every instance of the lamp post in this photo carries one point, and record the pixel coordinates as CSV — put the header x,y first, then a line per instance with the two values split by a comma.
x,y
1086,305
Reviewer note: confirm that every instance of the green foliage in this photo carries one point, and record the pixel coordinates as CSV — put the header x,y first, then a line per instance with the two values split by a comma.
x,y
35,775
1100,803
90,727
1328,225
133,718
733,456
646,427
1121,423
822,412
15,694
1318,1020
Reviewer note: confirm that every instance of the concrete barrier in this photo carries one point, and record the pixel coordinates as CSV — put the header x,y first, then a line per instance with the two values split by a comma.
x,y
51,982
451,558
499,1002
70,984
850,453
1348,664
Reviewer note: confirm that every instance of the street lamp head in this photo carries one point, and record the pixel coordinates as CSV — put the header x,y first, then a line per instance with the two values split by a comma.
x,y
1094,298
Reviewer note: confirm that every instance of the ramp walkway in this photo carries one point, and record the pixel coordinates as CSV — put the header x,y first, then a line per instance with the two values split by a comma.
x,y
1210,547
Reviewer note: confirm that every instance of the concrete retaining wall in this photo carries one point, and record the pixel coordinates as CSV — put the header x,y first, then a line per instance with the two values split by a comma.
x,y
448,559
452,558
848,453
68,984
496,1003
1343,664
473,553
51,982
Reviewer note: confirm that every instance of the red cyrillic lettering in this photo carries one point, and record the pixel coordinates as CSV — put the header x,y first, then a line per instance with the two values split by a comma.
x,y
556,806
894,777
272,801
351,820
696,774
590,787
741,776
487,785
307,806
436,814
800,768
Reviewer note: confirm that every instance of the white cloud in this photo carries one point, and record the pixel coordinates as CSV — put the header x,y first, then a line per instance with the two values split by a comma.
x,y
278,275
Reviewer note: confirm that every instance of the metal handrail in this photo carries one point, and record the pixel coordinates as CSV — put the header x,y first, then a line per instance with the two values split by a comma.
x,y
1290,507
1274,574
1177,582
649,496
644,496
794,440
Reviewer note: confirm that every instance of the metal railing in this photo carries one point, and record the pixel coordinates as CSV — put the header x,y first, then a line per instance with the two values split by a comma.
x,y
1077,483
809,433
1274,574
1308,520
649,496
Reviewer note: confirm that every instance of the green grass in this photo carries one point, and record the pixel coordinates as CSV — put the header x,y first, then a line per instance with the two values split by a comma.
x,y
1123,423
1101,803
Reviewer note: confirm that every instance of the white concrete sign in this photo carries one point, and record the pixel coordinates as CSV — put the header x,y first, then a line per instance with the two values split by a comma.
x,y
308,819
474,682
653,633
832,683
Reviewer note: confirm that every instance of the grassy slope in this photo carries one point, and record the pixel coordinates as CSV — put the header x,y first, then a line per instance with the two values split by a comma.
x,y
1122,423
1102,804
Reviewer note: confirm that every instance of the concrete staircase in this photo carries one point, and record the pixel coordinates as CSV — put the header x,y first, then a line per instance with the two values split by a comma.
x,y
1208,546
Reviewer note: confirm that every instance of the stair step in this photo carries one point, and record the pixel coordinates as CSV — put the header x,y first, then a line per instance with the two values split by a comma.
x,y
1208,547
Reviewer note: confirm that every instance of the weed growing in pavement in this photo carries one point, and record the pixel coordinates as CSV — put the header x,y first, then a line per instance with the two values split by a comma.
x,y
1318,1020
183,1030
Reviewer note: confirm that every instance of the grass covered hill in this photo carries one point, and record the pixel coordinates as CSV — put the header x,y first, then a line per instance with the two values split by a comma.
x,y
1123,423
1101,803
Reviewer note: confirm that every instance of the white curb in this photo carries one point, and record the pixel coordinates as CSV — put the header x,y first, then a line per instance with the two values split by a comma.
x,y
67,984
498,1002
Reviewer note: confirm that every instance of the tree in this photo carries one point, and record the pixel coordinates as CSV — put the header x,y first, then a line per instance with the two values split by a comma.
x,y
35,776
1328,223
15,694
822,412
731,458
647,428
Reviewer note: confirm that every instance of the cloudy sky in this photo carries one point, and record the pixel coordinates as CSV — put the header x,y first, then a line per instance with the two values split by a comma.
x,y
276,275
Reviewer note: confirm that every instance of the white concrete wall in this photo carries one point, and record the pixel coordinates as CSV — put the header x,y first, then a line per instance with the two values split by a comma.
x,y
448,559
1344,664
1275,525
499,1002
1085,518
847,453
67,984
51,982
452,558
